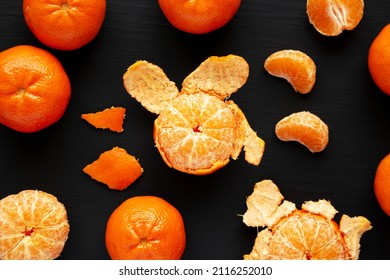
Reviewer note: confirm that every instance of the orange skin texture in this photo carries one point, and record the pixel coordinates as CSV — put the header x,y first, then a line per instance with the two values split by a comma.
x,y
379,60
64,25
115,168
199,16
145,228
110,118
34,89
382,184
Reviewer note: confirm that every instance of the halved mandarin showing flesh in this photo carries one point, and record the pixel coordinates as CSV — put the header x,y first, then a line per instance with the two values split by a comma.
x,y
305,128
332,17
309,233
33,226
294,66
198,129
110,118
115,168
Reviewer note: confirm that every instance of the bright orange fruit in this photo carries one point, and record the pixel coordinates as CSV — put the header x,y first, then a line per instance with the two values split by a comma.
x,y
110,118
34,89
379,60
294,66
332,17
115,168
382,184
145,228
306,128
199,16
33,226
64,24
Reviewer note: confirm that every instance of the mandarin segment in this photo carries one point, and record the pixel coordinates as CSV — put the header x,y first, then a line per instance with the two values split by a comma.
x,y
294,66
309,233
145,228
332,17
110,118
33,225
115,168
305,128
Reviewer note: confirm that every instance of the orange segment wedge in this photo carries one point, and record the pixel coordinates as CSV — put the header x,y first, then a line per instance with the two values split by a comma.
x,y
332,17
33,226
115,168
306,128
294,66
110,118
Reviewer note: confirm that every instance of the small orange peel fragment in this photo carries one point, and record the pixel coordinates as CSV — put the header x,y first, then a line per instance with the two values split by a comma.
x,y
115,168
111,118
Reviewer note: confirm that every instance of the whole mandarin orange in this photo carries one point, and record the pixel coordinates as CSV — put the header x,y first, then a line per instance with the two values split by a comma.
x,y
34,88
64,24
145,228
379,60
199,16
382,184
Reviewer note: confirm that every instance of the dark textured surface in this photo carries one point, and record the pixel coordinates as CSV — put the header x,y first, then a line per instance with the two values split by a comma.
x,y
344,96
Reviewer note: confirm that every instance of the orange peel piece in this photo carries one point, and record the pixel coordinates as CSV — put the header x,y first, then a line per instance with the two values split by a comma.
x,y
115,168
33,226
150,86
307,233
110,118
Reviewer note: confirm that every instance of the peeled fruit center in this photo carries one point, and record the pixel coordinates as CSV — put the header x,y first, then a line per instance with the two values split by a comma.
x,y
195,132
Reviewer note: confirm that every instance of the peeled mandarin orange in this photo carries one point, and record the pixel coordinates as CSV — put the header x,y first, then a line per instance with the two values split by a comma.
x,y
64,24
115,168
34,89
309,233
33,226
199,16
110,118
197,129
145,228
382,184
305,128
332,17
294,66
379,60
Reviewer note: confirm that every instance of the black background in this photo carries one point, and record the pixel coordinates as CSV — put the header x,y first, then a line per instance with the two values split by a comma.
x,y
344,96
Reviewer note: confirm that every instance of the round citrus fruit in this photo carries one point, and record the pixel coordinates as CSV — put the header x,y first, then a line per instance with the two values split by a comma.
x,y
305,128
199,16
294,66
33,226
34,89
331,17
64,24
379,60
382,184
145,228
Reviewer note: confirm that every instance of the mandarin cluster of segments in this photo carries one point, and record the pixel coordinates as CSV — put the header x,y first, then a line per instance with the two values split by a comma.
x,y
309,233
197,130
